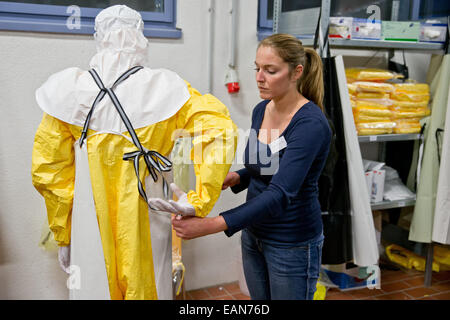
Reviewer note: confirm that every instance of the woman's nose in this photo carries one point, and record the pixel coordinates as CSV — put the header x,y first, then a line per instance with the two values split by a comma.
x,y
259,76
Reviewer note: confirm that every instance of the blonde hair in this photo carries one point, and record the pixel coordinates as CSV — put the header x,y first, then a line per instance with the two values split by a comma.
x,y
291,50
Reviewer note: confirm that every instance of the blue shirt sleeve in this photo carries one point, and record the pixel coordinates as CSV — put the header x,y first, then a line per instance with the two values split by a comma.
x,y
244,176
308,137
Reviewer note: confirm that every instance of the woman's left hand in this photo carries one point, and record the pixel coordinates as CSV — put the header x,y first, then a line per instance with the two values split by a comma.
x,y
188,227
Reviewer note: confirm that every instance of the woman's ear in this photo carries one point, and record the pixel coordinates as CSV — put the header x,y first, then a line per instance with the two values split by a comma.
x,y
298,71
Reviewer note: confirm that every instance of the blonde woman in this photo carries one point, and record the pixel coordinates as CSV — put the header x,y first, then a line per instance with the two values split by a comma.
x,y
282,233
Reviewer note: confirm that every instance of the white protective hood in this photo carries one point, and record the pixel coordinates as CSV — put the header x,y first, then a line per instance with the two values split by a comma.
x,y
148,96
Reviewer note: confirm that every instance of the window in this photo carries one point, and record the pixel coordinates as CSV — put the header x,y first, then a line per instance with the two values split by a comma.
x,y
434,9
265,17
401,10
62,16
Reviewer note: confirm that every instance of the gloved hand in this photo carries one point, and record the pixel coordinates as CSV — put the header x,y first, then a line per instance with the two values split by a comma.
x,y
180,207
64,258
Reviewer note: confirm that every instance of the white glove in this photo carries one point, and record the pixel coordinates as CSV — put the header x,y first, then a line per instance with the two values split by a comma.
x,y
64,258
180,207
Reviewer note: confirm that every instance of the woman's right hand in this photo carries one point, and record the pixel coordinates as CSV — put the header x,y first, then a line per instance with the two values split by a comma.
x,y
232,179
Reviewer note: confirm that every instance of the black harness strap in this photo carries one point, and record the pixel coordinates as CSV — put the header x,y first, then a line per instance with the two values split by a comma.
x,y
153,160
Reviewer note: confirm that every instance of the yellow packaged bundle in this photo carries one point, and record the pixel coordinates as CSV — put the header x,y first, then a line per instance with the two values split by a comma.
x,y
442,255
411,97
353,103
398,112
387,124
372,95
412,87
410,260
409,104
373,131
369,74
384,112
371,128
351,88
407,126
358,117
375,103
366,86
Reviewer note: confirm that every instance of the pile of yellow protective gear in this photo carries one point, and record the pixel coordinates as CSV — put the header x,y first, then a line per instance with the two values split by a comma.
x,y
410,260
369,74
380,107
410,104
371,107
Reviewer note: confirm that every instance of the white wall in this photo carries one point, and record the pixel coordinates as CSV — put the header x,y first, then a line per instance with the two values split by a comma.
x,y
26,61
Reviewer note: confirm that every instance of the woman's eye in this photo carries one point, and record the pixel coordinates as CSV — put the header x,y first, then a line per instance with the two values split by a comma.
x,y
268,71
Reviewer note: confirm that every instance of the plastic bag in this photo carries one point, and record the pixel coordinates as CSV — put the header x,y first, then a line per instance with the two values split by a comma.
x,y
369,74
377,103
374,128
380,112
398,112
411,97
409,104
376,125
358,117
372,95
365,86
412,87
404,126
351,88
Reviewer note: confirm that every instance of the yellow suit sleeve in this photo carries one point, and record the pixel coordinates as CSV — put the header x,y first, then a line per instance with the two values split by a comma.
x,y
53,174
214,134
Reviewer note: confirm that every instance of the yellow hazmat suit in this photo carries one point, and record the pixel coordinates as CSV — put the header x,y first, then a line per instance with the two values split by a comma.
x,y
122,214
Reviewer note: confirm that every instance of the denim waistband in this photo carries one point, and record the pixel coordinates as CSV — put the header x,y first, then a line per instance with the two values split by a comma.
x,y
275,243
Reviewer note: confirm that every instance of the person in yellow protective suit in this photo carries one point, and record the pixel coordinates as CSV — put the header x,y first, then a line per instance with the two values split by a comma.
x,y
159,105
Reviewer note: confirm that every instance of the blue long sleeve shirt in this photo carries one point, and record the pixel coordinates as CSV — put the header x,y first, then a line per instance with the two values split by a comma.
x,y
282,199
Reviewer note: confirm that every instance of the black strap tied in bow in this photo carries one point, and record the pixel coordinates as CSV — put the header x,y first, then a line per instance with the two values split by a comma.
x,y
153,160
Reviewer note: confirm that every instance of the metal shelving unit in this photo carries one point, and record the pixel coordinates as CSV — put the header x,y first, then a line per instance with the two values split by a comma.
x,y
386,204
382,205
283,20
389,137
371,44
377,44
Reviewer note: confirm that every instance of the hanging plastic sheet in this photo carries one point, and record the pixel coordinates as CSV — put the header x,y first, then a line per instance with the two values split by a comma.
x,y
421,228
364,243
333,184
441,225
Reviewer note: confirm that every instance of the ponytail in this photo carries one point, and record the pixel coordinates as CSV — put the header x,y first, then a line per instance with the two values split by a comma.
x,y
310,84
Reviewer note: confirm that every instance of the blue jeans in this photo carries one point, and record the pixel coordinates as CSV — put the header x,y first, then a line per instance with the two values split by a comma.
x,y
276,271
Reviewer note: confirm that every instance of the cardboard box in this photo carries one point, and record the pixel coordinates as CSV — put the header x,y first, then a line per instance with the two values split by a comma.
x,y
433,32
378,185
366,29
400,30
340,27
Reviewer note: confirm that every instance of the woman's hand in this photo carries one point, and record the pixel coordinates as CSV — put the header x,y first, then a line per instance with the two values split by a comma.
x,y
232,179
188,227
